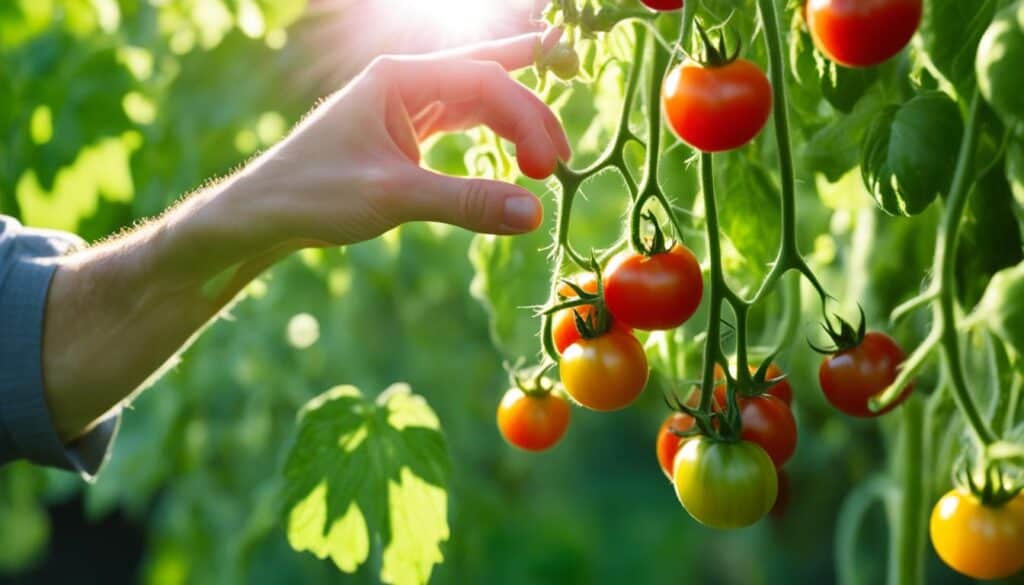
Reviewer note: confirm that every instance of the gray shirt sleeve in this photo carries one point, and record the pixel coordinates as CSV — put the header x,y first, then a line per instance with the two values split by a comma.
x,y
26,429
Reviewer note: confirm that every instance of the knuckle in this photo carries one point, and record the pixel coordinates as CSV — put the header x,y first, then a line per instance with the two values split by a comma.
x,y
383,65
473,202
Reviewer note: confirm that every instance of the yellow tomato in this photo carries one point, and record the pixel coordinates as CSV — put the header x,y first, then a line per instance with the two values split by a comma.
x,y
979,541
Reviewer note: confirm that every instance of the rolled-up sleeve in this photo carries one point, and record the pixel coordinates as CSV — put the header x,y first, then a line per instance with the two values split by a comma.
x,y
26,428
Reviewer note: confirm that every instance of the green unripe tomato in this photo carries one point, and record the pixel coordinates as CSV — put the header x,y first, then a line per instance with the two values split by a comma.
x,y
999,66
724,485
563,61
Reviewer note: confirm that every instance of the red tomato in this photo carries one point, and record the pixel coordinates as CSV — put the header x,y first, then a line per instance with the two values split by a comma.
x,y
663,5
563,323
534,422
717,108
782,499
668,442
851,377
767,421
781,390
654,292
862,33
605,373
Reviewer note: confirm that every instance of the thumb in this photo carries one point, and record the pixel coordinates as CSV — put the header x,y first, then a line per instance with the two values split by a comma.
x,y
480,205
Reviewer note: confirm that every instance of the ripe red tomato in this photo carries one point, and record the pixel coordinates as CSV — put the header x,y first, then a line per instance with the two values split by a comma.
x,y
983,542
533,422
654,292
862,33
717,108
851,377
563,323
778,511
767,421
663,5
781,390
668,442
605,373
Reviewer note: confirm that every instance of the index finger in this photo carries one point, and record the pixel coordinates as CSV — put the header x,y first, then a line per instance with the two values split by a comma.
x,y
511,53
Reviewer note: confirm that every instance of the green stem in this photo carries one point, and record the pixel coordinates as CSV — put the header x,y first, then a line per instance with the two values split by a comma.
x,y
945,263
789,257
907,512
712,343
849,523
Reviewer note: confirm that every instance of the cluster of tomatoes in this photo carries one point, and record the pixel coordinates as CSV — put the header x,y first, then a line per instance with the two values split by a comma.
x,y
726,467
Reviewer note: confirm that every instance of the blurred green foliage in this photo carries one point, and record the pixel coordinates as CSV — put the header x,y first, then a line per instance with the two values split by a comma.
x,y
113,109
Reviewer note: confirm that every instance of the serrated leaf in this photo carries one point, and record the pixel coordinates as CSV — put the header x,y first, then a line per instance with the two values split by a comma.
x,y
910,152
835,149
369,473
843,87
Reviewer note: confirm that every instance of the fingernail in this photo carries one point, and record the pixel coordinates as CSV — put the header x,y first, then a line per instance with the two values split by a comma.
x,y
522,213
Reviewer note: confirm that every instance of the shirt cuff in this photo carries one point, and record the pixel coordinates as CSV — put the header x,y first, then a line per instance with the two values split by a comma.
x,y
23,407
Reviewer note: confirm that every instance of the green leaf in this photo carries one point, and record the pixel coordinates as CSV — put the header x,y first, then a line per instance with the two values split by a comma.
x,y
511,273
990,237
842,86
999,65
748,200
835,149
365,474
950,31
1001,309
910,152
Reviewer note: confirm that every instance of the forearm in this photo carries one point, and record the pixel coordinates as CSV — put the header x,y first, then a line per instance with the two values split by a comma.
x,y
118,311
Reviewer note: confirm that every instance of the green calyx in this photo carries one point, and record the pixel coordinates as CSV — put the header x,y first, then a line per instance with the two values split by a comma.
x,y
993,489
715,54
843,337
532,381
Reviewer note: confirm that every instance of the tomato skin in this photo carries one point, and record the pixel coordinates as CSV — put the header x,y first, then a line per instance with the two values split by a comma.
x,y
663,5
976,540
851,377
717,108
605,373
724,485
862,33
533,422
563,323
767,421
654,292
781,390
667,444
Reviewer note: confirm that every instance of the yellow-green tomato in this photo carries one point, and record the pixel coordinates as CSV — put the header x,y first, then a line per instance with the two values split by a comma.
x,y
725,485
983,542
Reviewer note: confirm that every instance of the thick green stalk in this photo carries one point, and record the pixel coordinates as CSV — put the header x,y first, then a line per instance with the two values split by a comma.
x,y
907,509
945,264
716,293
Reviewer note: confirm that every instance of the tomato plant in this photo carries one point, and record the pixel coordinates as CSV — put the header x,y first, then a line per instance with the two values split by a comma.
x,y
669,439
766,421
862,33
851,377
835,162
661,291
980,541
533,421
605,373
724,485
717,106
663,4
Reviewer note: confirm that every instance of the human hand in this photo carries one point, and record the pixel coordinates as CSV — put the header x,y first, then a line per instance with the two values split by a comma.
x,y
350,171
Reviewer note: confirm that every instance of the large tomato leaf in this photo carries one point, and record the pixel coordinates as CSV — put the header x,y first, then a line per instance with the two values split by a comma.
x,y
999,65
748,201
990,238
950,31
910,152
369,473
